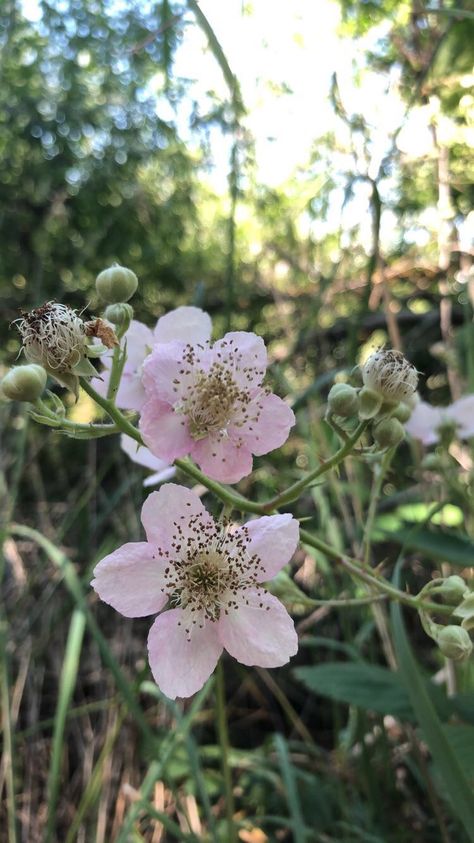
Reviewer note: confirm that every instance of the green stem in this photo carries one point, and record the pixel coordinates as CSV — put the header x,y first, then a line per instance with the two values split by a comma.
x,y
224,745
294,491
122,423
358,570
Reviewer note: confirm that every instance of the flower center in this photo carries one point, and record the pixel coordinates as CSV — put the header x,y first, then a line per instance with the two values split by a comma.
x,y
209,569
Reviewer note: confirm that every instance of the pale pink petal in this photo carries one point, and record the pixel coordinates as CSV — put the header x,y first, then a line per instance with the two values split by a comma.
x,y
221,459
140,454
188,324
164,432
274,539
173,505
424,422
244,353
131,394
264,425
259,631
101,383
140,340
159,477
131,579
462,412
180,666
167,372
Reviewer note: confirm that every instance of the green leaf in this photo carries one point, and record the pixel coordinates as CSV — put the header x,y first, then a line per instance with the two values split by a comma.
x,y
447,763
440,545
461,739
368,686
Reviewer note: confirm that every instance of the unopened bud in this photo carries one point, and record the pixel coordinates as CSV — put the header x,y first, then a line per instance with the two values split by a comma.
x,y
370,403
116,284
453,590
465,610
390,374
119,314
343,400
402,412
24,383
454,642
431,462
388,433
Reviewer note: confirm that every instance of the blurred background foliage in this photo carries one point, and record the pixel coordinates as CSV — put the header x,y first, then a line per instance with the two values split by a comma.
x,y
106,155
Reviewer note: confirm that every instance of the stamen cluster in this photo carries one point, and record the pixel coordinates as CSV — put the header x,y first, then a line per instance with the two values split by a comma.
x,y
209,567
54,336
391,375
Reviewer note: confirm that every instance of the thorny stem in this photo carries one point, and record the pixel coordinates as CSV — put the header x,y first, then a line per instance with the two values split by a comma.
x,y
224,745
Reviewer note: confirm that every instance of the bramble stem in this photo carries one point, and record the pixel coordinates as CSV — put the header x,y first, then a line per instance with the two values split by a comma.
x,y
294,491
224,745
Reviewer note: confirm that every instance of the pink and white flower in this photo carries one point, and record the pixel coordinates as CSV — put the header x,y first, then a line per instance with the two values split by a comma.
x,y
142,456
189,324
208,579
208,401
425,421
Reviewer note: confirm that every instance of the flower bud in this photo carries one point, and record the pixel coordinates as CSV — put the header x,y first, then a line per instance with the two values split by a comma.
x,y
390,374
431,462
119,314
116,284
402,412
24,383
343,400
388,433
453,590
370,403
454,642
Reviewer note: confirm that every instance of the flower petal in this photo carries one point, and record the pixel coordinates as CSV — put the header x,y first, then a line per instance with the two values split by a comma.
x,y
164,432
271,427
462,412
131,579
172,505
141,455
188,324
169,371
131,393
259,631
244,353
424,422
140,340
180,666
274,539
221,459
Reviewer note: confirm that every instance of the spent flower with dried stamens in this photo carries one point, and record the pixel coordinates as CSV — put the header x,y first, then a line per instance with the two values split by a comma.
x,y
388,373
55,337
208,401
208,576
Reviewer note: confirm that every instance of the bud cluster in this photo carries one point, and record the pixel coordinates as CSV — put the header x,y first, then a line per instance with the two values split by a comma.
x,y
453,640
388,386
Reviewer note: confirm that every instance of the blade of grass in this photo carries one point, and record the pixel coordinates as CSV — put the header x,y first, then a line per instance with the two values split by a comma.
x,y
73,584
455,782
8,748
289,779
66,688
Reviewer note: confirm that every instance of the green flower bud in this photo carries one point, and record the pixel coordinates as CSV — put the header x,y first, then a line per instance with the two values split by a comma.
x,y
116,284
453,590
454,642
119,314
370,403
343,400
431,462
24,383
388,433
402,412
